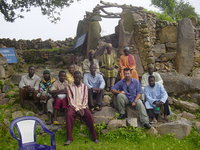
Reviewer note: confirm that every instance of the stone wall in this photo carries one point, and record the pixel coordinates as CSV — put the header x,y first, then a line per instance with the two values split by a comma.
x,y
35,43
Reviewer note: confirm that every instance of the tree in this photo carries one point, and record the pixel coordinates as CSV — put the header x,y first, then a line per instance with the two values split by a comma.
x,y
167,6
12,9
184,10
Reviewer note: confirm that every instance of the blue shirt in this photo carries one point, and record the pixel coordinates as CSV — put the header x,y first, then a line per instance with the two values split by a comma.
x,y
131,90
156,93
96,81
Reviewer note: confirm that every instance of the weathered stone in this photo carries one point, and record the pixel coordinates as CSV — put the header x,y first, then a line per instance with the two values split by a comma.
x,y
152,131
30,113
105,115
196,73
188,115
171,46
106,100
15,78
116,124
168,34
6,122
159,49
2,96
131,112
185,47
197,126
6,88
17,114
132,122
2,72
4,101
179,128
189,106
168,56
11,101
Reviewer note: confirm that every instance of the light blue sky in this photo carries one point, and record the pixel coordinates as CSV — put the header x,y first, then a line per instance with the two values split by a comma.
x,y
35,25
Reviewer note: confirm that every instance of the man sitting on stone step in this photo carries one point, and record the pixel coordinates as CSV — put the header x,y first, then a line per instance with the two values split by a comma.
x,y
45,97
95,84
59,92
28,86
156,100
78,105
128,92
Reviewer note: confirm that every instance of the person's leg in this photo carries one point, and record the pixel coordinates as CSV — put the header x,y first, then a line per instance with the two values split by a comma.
x,y
22,95
90,99
166,110
70,115
50,111
144,119
99,97
122,101
90,123
151,115
58,103
35,98
107,84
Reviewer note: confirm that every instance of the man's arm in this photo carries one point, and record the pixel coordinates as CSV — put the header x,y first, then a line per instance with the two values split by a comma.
x,y
164,95
85,81
102,82
116,88
148,96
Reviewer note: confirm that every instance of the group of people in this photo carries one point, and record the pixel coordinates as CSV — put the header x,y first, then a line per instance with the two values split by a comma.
x,y
79,91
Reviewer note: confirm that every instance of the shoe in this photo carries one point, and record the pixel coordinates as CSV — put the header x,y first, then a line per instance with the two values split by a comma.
x,y
147,126
98,108
92,110
96,141
67,142
122,116
56,123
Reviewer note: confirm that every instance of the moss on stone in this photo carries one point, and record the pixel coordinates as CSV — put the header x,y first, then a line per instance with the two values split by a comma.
x,y
128,21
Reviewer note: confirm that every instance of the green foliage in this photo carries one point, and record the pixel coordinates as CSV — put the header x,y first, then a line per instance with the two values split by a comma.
x,y
13,9
167,7
100,127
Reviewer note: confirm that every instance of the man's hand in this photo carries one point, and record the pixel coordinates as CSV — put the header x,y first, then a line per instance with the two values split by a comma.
x,y
81,112
133,104
96,90
123,92
157,103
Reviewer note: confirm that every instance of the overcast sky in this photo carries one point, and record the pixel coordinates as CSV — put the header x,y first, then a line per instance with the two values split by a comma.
x,y
35,25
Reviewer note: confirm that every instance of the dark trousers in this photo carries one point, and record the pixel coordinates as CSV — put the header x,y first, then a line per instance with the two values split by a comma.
x,y
87,117
92,96
24,94
164,108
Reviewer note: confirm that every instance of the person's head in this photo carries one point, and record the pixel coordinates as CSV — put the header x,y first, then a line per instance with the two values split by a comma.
x,y
31,71
109,48
46,75
93,69
151,81
77,77
150,69
127,73
126,50
71,68
76,60
62,76
91,54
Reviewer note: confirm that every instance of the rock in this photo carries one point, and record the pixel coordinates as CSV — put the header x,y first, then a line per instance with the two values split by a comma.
x,y
159,49
188,115
113,124
11,101
17,114
29,113
2,72
15,78
6,122
105,115
168,34
171,46
6,88
132,122
196,73
179,128
131,112
168,56
7,113
4,101
106,100
189,106
2,96
197,126
185,46
152,131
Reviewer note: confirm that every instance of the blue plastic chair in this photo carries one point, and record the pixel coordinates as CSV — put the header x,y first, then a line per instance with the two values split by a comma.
x,y
26,128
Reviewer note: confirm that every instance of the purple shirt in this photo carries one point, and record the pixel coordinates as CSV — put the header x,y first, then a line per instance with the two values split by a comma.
x,y
131,90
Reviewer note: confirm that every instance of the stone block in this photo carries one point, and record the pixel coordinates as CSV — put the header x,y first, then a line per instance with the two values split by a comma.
x,y
179,128
105,115
168,34
132,122
113,124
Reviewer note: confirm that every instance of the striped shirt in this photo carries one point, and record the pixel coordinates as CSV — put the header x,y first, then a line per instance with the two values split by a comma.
x,y
78,96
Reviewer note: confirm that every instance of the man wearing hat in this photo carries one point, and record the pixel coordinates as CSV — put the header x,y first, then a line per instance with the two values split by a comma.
x,y
128,61
44,95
